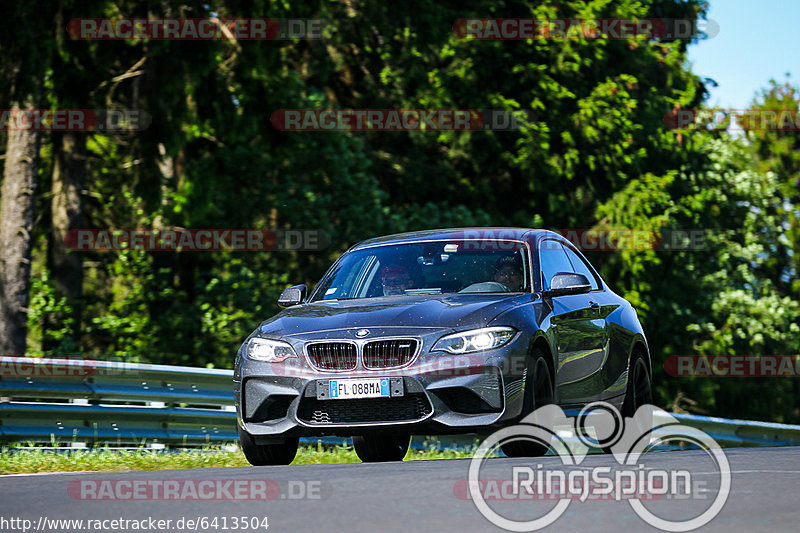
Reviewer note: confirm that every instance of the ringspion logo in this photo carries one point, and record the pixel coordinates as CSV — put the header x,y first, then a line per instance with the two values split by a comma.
x,y
570,480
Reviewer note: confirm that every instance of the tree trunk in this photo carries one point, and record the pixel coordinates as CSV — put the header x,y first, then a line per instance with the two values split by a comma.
x,y
69,176
16,227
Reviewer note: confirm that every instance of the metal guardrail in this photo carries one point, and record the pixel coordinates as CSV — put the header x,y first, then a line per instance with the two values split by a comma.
x,y
114,403
62,401
743,432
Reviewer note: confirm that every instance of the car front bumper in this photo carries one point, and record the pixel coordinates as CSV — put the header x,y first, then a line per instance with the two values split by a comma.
x,y
437,393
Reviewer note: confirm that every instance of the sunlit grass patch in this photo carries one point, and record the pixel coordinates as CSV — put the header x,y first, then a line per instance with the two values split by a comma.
x,y
30,459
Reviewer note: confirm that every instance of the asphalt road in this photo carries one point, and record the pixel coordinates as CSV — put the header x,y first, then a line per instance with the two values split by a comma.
x,y
413,496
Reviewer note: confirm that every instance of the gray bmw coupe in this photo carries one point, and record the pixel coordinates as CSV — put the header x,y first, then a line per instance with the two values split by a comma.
x,y
436,332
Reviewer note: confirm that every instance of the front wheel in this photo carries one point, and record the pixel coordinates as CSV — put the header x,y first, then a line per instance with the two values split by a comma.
x,y
381,448
268,454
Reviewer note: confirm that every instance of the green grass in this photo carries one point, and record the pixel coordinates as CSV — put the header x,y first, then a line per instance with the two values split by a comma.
x,y
33,459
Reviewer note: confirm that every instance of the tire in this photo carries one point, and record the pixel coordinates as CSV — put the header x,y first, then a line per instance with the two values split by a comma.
x,y
381,448
268,454
539,391
640,387
638,392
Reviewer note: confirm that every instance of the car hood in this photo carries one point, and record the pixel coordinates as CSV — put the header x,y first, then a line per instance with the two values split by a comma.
x,y
455,311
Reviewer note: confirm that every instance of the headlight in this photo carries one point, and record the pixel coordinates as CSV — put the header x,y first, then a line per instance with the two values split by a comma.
x,y
269,350
474,340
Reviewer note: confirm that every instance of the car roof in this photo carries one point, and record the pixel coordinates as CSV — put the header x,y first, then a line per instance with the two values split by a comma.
x,y
500,233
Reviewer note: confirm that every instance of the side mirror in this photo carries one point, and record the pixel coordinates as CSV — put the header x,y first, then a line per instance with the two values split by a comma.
x,y
292,296
567,283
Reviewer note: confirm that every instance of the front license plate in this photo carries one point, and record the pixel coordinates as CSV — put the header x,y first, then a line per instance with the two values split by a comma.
x,y
345,389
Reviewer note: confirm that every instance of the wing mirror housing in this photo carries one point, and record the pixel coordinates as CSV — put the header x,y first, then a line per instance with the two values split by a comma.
x,y
292,296
565,283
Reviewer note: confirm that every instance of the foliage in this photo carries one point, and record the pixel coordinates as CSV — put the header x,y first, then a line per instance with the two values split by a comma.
x,y
718,299
592,150
49,307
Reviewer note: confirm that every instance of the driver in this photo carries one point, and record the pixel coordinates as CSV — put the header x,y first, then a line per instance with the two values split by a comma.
x,y
508,271
395,280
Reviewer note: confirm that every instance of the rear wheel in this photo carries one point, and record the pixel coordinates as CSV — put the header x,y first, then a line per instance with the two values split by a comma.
x,y
639,392
640,388
538,392
268,454
380,448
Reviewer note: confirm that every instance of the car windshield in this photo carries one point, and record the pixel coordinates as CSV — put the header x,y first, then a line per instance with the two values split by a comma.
x,y
431,267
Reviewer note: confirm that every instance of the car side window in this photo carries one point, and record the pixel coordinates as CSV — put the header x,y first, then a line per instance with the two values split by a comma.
x,y
579,266
553,259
